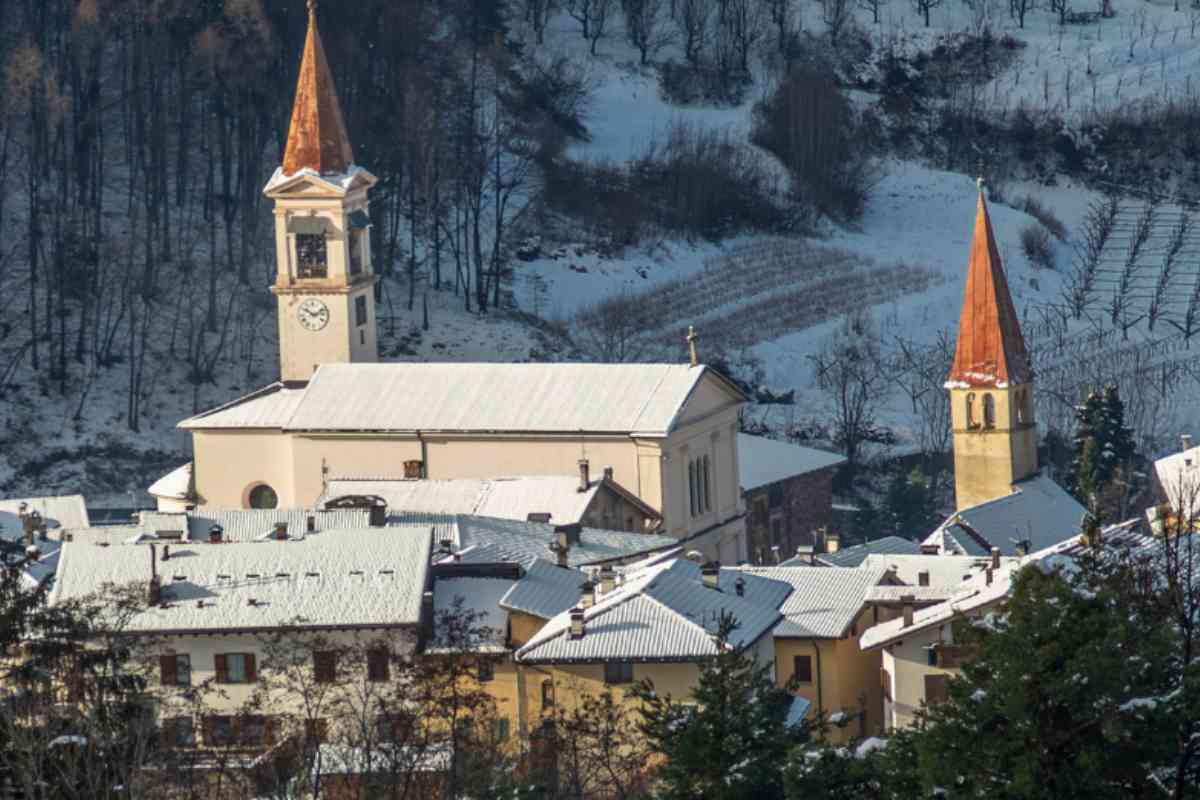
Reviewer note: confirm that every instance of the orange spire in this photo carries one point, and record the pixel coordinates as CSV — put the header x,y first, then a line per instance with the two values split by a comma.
x,y
317,137
991,351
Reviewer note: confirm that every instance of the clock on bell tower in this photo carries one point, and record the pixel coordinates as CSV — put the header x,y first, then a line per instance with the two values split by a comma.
x,y
324,284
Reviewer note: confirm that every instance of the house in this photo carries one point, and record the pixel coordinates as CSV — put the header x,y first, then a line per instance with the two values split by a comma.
x,y
561,500
1178,483
816,643
918,650
30,529
788,493
853,556
666,430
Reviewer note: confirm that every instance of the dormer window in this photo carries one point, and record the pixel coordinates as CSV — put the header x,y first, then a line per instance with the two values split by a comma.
x,y
311,256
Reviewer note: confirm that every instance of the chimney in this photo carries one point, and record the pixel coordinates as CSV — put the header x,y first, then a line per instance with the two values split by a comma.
x,y
427,614
908,600
568,534
1186,439
155,585
923,578
995,558
587,594
445,547
608,473
832,542
695,555
32,552
806,554
739,586
577,623
310,523
281,530
561,552
1023,548
215,534
988,576
166,552
710,573
584,480
538,516
608,579
930,550
378,513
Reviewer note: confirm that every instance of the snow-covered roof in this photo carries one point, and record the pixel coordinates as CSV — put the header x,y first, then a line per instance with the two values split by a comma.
x,y
175,485
854,555
762,461
823,603
664,613
481,595
975,594
1179,476
63,511
269,407
644,399
503,498
923,595
1038,510
943,570
247,525
544,590
349,578
484,539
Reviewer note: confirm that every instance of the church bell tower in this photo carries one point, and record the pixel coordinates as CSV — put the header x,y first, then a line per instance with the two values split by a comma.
x,y
990,381
324,284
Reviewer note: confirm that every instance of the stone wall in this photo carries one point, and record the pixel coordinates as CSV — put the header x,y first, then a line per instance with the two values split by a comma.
x,y
786,513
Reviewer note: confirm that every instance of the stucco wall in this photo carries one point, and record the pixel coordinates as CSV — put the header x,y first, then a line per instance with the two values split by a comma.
x,y
988,461
907,662
229,463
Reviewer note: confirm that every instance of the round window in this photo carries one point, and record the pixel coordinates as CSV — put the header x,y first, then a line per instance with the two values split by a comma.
x,y
263,496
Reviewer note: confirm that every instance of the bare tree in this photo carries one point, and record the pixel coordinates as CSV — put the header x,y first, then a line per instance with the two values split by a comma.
x,y
602,11
873,6
645,27
850,370
835,14
692,17
923,7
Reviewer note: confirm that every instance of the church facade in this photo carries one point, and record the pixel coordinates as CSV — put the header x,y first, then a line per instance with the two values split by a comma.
x,y
666,433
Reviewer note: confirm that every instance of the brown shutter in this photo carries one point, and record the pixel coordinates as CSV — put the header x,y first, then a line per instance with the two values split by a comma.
x,y
251,673
209,724
168,675
886,681
325,666
269,731
935,689
221,668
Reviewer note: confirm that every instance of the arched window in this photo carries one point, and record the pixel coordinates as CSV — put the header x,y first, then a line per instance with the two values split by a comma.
x,y
692,486
971,421
989,411
263,496
707,487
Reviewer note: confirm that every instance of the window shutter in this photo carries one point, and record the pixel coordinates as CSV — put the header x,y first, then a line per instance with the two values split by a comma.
x,y
251,672
886,681
269,730
167,673
166,734
209,724
935,689
222,674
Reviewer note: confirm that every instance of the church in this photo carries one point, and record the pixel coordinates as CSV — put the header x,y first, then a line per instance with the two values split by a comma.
x,y
664,436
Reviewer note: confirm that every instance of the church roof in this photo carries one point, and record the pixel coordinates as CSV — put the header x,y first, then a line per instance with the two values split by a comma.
x,y
991,351
317,138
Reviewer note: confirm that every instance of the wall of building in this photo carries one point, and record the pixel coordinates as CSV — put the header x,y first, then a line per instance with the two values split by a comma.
x,y
802,505
907,664
988,461
376,456
229,463
611,511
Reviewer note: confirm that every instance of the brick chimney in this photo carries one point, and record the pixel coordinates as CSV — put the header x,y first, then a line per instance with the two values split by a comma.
x,y
577,624
281,532
608,473
562,552
215,534
584,478
587,594
908,602
378,513
310,523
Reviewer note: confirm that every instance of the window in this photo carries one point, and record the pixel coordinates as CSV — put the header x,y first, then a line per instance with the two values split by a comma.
x,y
392,727
177,732
618,672
989,411
692,486
775,495
311,260
971,423
500,729
378,666
175,669
255,731
802,669
357,243
935,689
219,731
885,680
235,668
547,694
776,531
263,496
487,670
923,578
707,487
325,666
360,310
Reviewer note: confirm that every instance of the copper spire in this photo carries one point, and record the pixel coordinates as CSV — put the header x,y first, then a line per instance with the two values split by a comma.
x,y
317,137
991,351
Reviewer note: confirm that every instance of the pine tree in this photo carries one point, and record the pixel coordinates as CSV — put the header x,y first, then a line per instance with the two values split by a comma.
x,y
1104,445
729,740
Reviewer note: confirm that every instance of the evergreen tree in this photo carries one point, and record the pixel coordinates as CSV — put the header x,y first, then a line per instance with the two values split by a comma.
x,y
872,769
1104,445
730,739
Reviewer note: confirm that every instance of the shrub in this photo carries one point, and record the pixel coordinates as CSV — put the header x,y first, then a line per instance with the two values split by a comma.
x,y
691,84
810,126
1034,208
1035,243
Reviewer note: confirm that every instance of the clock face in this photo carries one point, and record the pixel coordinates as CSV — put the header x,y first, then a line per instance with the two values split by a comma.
x,y
313,314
